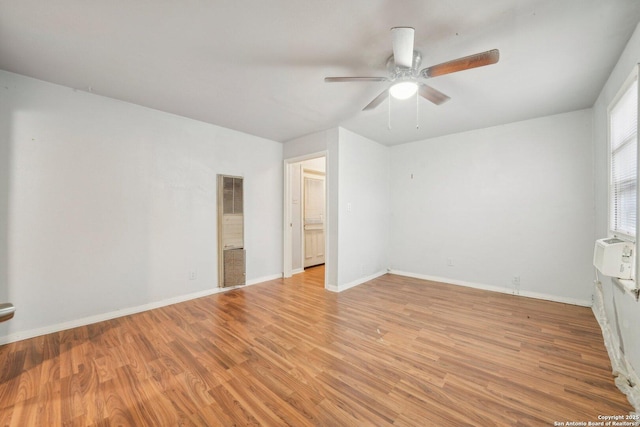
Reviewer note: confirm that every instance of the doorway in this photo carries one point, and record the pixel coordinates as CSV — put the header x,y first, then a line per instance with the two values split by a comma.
x,y
313,214
305,227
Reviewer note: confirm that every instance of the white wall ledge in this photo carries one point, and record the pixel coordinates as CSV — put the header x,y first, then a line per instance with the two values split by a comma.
x,y
628,286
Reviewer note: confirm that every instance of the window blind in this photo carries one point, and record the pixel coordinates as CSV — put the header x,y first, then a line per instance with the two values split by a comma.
x,y
623,137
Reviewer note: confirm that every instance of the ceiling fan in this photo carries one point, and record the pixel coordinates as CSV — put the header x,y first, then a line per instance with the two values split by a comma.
x,y
405,78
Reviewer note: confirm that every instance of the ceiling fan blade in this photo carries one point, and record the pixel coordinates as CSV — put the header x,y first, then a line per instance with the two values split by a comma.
x,y
355,79
376,101
472,61
433,95
403,46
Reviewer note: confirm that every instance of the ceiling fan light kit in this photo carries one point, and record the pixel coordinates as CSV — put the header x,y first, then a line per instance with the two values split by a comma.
x,y
403,90
405,78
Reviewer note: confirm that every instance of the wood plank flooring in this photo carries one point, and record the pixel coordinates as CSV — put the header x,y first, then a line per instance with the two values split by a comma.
x,y
394,351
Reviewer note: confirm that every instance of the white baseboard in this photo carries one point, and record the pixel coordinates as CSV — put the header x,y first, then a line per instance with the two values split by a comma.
x,y
263,279
297,271
529,294
335,288
31,333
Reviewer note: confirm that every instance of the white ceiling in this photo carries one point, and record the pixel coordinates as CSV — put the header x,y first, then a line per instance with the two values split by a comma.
x,y
258,66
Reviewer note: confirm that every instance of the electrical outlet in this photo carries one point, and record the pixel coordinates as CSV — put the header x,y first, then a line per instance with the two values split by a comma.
x,y
192,275
450,262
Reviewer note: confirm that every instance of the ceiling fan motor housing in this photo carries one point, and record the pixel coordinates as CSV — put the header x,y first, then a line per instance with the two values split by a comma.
x,y
399,73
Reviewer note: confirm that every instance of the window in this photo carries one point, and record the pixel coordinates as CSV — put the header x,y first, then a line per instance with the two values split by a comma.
x,y
623,144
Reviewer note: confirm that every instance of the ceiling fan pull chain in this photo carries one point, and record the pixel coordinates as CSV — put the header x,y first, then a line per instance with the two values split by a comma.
x,y
389,115
417,111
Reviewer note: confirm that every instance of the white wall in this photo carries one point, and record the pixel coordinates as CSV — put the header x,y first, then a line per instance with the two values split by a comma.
x,y
364,211
622,312
310,144
110,205
513,200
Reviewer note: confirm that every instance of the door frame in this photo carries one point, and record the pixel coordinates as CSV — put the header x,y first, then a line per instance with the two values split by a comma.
x,y
288,213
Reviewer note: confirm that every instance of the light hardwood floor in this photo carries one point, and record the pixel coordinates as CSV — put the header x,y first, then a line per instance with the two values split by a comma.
x,y
393,351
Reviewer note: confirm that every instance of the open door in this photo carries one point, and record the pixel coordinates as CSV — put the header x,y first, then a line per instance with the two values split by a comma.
x,y
314,218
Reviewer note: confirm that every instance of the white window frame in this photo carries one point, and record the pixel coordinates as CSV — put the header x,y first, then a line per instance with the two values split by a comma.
x,y
633,77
